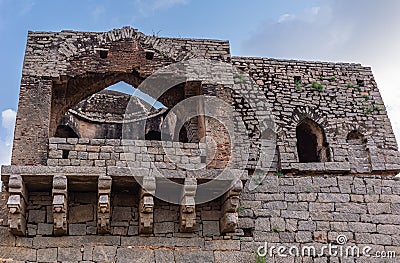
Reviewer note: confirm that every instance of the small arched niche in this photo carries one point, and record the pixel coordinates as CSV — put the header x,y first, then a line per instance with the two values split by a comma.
x,y
311,142
355,136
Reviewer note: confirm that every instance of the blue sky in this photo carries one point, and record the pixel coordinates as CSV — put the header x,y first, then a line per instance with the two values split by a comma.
x,y
364,31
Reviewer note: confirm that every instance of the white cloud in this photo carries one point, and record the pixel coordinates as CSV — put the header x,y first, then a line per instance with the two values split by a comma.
x,y
8,119
7,123
286,17
340,30
5,152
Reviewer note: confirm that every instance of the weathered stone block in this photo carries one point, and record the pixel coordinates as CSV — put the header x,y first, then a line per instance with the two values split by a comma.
x,y
16,254
141,255
104,253
164,256
47,255
37,216
211,228
45,229
121,214
163,228
81,214
193,256
77,229
69,254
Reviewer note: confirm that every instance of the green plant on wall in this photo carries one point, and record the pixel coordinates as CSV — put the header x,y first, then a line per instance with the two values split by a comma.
x,y
366,97
259,259
352,86
378,107
163,54
240,209
332,79
275,229
371,109
241,77
298,84
317,86
279,174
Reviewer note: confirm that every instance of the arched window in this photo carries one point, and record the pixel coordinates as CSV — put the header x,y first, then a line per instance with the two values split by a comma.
x,y
311,142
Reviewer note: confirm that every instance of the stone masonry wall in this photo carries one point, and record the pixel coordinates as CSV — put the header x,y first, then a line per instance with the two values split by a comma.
x,y
115,152
349,100
283,210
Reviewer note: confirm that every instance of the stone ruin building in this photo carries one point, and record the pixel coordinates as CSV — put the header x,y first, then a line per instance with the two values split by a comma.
x,y
74,193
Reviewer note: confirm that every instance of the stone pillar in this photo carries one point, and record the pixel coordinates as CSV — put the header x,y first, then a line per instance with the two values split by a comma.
x,y
60,204
229,219
16,205
104,204
146,205
188,206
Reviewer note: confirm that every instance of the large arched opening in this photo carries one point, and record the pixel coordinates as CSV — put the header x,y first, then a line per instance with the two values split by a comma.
x,y
311,142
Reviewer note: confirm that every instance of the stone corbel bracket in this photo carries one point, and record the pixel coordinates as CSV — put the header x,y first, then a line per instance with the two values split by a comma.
x,y
188,206
146,205
229,219
60,204
104,204
16,205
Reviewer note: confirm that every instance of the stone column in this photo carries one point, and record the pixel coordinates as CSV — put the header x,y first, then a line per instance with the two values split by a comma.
x,y
16,205
104,205
229,219
146,205
60,204
188,206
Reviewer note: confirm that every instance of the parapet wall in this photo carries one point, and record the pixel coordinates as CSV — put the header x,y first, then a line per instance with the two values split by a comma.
x,y
283,210
115,152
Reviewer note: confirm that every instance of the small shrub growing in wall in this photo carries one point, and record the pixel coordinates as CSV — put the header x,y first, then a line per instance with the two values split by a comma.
x,y
241,77
352,86
332,79
298,85
279,174
275,229
240,209
317,86
371,109
259,259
